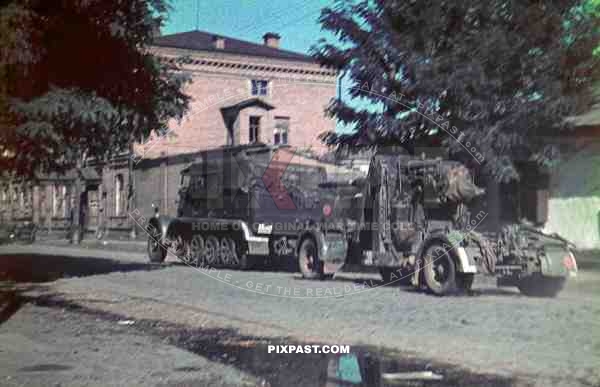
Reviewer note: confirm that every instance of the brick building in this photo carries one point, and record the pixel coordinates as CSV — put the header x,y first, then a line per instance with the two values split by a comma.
x,y
242,93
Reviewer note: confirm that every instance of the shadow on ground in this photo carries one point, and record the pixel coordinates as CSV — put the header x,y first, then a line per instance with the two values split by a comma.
x,y
45,268
250,354
20,273
10,302
370,283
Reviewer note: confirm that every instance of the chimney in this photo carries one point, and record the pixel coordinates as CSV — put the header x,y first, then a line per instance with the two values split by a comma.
x,y
218,42
271,39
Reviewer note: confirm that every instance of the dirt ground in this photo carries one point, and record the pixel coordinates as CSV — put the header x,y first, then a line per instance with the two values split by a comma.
x,y
173,325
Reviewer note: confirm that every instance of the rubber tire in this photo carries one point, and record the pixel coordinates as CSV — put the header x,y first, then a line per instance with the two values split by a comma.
x,y
450,286
214,241
537,285
399,278
157,255
315,273
246,261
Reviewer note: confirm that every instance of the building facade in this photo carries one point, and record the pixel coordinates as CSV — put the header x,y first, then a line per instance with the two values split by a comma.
x,y
244,93
574,188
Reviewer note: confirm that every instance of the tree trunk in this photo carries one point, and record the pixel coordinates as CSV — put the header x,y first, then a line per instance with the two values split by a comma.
x,y
131,190
77,231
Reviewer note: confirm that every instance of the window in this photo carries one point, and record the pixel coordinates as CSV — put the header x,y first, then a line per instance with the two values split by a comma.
x,y
280,134
254,133
119,195
59,206
22,194
260,87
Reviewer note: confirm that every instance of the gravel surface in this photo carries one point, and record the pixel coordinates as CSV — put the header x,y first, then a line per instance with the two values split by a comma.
x,y
53,347
541,341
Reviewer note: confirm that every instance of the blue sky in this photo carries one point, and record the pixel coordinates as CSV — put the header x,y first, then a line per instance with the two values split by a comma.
x,y
294,20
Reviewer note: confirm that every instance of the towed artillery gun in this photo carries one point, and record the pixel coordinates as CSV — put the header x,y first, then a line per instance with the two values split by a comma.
x,y
407,216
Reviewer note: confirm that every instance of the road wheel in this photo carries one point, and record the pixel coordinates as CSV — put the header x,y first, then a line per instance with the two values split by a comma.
x,y
394,276
537,285
211,250
237,260
156,251
178,246
226,252
439,270
196,251
308,260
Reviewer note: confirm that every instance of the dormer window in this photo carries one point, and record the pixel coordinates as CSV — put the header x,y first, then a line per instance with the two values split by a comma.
x,y
260,87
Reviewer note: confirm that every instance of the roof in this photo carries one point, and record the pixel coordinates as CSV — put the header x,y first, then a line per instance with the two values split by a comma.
x,y
249,103
231,112
203,41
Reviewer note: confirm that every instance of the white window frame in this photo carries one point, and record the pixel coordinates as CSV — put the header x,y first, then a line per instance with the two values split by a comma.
x,y
266,88
59,192
54,200
280,131
119,183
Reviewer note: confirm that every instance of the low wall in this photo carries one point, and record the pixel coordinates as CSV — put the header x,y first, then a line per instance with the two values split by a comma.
x,y
577,219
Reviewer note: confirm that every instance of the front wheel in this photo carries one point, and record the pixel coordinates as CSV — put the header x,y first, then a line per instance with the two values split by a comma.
x,y
439,270
156,251
308,260
539,286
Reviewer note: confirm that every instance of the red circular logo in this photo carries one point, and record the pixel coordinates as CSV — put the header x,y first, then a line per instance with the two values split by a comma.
x,y
327,210
569,262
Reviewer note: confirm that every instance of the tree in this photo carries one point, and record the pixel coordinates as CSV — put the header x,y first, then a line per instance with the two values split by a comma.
x,y
78,81
493,80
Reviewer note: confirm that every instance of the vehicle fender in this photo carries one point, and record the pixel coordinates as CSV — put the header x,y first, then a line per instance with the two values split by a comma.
x,y
464,263
557,262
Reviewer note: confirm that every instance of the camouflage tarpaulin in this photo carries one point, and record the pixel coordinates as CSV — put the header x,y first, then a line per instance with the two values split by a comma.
x,y
458,185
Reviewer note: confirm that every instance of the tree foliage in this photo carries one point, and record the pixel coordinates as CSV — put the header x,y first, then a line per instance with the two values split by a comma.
x,y
490,77
77,80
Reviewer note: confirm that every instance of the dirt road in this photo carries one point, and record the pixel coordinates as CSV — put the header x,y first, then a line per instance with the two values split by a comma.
x,y
518,340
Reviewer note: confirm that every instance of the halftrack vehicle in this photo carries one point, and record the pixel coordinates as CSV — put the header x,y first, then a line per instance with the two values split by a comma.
x,y
408,216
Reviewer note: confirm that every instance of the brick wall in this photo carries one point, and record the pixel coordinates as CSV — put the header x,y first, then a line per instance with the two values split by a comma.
x,y
300,91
